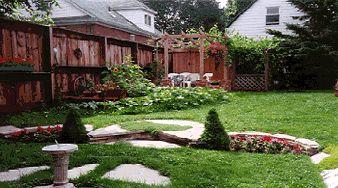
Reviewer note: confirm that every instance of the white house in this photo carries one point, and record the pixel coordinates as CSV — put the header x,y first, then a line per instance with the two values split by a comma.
x,y
136,12
261,15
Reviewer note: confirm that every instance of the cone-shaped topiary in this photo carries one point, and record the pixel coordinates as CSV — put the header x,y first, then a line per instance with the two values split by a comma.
x,y
73,130
214,135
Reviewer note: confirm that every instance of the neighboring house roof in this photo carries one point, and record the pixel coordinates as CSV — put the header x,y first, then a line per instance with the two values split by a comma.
x,y
130,5
98,11
241,12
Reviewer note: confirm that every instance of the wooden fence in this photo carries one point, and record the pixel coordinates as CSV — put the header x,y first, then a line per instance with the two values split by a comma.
x,y
59,56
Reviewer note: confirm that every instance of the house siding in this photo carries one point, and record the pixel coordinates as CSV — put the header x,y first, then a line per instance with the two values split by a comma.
x,y
252,22
67,10
137,17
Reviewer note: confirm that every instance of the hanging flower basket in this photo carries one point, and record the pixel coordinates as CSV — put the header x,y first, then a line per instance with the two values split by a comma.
x,y
215,50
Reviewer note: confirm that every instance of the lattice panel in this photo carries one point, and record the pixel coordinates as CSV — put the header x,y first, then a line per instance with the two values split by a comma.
x,y
250,82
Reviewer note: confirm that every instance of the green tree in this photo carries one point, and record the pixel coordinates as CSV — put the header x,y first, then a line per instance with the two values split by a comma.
x,y
312,49
73,129
39,10
214,135
319,32
176,15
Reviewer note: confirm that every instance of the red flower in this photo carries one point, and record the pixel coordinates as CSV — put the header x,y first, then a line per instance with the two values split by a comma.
x,y
49,129
40,129
57,127
295,146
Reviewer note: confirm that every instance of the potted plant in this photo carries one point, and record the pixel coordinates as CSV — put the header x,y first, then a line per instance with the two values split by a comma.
x,y
215,82
16,64
109,89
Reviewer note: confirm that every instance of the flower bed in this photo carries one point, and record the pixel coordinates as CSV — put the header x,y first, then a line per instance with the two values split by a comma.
x,y
40,135
266,144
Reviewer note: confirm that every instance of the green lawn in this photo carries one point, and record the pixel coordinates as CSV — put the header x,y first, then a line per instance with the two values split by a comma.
x,y
310,114
186,167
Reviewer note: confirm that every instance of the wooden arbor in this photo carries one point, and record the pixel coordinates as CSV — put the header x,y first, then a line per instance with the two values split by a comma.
x,y
186,43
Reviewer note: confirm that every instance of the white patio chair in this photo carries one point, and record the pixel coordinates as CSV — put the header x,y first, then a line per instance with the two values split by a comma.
x,y
192,78
185,77
208,76
170,76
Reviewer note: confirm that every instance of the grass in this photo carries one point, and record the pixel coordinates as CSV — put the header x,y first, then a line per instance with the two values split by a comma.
x,y
186,167
145,125
312,115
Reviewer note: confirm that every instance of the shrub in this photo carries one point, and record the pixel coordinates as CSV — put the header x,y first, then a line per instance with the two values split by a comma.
x,y
73,129
214,135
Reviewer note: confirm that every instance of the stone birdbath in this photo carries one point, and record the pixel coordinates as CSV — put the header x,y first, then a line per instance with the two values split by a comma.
x,y
60,153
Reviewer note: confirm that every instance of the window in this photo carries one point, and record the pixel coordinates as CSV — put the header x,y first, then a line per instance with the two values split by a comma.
x,y
147,20
272,16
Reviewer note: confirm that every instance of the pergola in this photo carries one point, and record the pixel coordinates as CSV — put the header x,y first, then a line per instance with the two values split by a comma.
x,y
184,43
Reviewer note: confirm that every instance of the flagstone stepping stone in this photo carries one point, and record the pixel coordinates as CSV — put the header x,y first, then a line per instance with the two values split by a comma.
x,y
106,130
330,177
78,171
193,134
89,127
5,130
153,144
252,133
319,157
137,173
12,175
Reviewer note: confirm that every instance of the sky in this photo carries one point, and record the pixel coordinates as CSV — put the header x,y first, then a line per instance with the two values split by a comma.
x,y
222,3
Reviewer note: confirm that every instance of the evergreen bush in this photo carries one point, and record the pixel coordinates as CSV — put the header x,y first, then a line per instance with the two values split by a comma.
x,y
214,136
73,130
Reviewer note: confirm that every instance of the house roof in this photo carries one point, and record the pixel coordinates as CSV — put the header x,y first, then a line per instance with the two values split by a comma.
x,y
97,11
241,12
129,5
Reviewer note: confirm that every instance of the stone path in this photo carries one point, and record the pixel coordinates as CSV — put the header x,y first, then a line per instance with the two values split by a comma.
x,y
139,173
12,175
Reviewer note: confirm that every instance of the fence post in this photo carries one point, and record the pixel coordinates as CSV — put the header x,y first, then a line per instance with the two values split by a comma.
x,y
166,69
134,52
201,57
266,71
104,45
47,63
233,73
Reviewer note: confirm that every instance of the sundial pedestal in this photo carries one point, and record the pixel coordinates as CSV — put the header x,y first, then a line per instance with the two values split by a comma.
x,y
60,153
